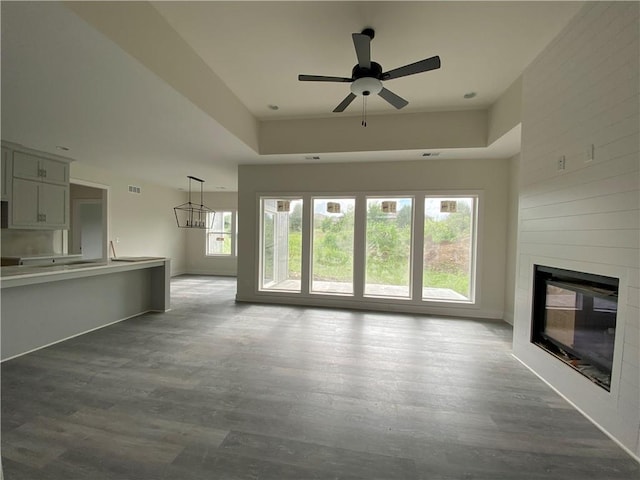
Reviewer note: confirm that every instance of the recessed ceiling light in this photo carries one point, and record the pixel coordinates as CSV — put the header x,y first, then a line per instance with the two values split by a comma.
x,y
273,107
60,147
469,95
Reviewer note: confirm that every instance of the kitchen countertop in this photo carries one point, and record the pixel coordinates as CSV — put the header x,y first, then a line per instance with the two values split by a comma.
x,y
16,275
10,260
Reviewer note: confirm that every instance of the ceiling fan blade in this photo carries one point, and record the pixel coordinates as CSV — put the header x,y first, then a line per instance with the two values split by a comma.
x,y
363,49
393,99
322,78
432,63
344,103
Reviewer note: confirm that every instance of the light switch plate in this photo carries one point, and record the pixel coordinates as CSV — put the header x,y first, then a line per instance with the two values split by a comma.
x,y
561,162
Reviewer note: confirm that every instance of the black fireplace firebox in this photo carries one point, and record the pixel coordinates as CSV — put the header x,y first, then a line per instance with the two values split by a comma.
x,y
574,319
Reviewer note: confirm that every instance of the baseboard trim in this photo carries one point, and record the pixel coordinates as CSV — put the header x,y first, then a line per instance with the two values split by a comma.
x,y
228,273
584,414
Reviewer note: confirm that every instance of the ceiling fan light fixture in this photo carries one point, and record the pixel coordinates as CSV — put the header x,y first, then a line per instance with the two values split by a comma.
x,y
367,76
366,86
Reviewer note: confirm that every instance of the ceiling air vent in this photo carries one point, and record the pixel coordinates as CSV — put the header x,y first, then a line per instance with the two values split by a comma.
x,y
134,189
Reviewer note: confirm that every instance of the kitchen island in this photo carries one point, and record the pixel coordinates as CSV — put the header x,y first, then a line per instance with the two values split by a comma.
x,y
42,305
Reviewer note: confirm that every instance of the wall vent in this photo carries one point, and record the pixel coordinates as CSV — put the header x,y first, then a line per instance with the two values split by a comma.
x,y
134,189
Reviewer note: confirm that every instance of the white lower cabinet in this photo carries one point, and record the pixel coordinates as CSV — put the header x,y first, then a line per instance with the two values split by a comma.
x,y
39,205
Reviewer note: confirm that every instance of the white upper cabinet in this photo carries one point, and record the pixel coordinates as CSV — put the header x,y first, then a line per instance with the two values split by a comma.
x,y
32,167
5,173
37,188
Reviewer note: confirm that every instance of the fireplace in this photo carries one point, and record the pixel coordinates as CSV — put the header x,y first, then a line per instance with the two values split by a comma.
x,y
574,319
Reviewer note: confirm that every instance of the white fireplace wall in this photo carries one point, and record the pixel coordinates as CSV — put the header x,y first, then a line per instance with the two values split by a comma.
x,y
583,91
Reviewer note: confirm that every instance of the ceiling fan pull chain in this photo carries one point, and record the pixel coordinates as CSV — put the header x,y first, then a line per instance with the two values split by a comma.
x,y
364,111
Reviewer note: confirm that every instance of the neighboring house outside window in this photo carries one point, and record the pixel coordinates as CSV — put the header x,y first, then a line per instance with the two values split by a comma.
x,y
221,237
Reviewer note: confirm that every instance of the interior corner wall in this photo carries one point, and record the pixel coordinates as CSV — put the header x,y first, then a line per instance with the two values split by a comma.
x,y
488,176
143,223
197,262
584,90
505,113
512,238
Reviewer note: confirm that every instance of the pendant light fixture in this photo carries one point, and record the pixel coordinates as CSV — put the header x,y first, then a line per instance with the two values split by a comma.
x,y
192,215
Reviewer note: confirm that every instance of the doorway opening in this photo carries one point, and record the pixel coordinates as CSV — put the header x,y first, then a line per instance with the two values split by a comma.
x,y
88,227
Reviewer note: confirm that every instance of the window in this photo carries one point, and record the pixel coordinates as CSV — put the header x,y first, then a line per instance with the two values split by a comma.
x,y
388,247
281,244
448,248
221,237
417,247
332,245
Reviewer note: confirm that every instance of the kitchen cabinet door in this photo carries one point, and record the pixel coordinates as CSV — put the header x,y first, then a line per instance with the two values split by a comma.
x,y
53,206
54,172
26,166
39,205
32,167
24,204
5,174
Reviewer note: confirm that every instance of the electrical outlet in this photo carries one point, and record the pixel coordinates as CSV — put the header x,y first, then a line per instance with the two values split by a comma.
x,y
561,162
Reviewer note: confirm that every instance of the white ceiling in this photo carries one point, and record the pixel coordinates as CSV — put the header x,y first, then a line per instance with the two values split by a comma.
x,y
64,83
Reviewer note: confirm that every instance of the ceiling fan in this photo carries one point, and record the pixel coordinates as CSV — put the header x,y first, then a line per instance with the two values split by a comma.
x,y
367,76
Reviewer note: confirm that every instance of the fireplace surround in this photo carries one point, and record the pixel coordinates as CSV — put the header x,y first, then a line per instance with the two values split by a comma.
x,y
574,319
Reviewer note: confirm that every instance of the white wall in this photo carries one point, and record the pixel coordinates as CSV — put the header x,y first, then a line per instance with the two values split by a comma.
x,y
145,224
197,262
505,113
584,89
488,176
427,130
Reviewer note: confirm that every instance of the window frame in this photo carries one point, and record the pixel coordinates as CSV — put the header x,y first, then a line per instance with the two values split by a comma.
x,y
312,225
415,300
261,286
411,287
233,234
476,198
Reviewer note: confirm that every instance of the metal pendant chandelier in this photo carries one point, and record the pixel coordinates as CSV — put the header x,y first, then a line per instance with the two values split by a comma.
x,y
192,215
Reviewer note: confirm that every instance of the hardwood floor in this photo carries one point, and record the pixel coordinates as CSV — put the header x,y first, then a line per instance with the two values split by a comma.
x,y
214,389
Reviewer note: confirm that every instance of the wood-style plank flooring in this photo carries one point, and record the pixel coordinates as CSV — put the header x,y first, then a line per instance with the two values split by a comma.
x,y
219,390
